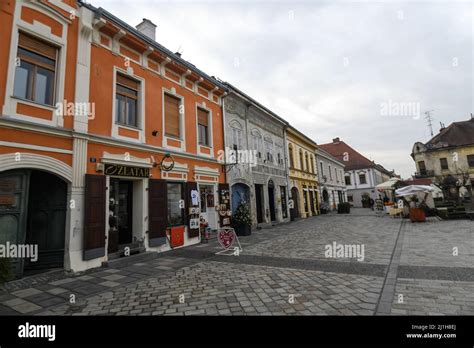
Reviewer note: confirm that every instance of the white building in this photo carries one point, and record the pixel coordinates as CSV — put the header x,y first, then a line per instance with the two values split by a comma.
x,y
332,184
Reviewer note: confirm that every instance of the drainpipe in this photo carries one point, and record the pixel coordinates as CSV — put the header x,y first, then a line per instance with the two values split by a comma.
x,y
287,171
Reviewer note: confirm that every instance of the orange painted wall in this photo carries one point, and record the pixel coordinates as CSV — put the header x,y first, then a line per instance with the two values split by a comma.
x,y
101,92
6,18
34,138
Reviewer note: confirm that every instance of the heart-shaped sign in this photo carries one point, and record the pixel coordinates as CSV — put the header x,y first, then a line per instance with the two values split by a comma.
x,y
226,238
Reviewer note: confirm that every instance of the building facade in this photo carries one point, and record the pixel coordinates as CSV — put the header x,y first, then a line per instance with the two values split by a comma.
x,y
260,176
109,141
361,174
331,175
303,174
448,156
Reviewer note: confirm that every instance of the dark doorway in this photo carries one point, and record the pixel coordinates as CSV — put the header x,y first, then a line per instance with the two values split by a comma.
x,y
121,209
311,202
46,219
259,202
295,212
271,200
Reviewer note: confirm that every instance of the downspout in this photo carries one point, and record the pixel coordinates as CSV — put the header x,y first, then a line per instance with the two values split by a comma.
x,y
287,171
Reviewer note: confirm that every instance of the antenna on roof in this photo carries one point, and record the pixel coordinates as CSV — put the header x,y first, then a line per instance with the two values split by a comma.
x,y
429,120
179,52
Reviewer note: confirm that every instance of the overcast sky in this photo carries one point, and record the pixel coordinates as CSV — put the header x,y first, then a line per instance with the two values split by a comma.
x,y
363,71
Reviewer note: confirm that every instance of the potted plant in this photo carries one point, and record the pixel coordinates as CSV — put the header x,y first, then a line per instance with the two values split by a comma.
x,y
242,220
5,270
343,208
417,214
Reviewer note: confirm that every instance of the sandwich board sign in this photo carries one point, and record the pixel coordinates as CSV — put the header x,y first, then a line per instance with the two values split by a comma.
x,y
227,238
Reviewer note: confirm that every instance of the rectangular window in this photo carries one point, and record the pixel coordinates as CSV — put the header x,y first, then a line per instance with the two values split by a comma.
x,y
362,179
175,213
172,119
126,100
330,173
348,180
421,166
470,160
36,73
203,127
322,168
283,202
444,163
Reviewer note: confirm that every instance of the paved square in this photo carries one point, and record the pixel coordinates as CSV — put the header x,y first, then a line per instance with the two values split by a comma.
x,y
424,268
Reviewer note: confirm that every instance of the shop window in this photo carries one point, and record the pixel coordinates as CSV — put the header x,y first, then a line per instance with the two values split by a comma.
x,y
35,74
444,163
172,119
126,100
470,160
362,179
203,127
175,213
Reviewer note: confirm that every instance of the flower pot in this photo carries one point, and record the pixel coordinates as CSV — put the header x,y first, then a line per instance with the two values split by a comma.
x,y
243,230
417,215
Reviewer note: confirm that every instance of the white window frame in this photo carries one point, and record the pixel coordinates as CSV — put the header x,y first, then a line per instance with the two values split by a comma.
x,y
203,106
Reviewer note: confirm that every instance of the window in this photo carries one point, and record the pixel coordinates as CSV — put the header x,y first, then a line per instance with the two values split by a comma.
x,y
257,143
322,168
335,172
330,173
421,166
444,163
172,119
36,73
203,127
362,179
290,154
348,180
312,164
470,160
175,213
236,137
283,202
279,158
126,100
305,195
269,148
301,160
306,161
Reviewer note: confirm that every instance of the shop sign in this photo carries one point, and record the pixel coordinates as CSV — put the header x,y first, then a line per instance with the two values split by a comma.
x,y
226,237
120,170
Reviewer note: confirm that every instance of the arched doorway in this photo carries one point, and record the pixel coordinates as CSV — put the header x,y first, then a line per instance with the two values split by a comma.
x,y
33,208
240,194
271,200
295,212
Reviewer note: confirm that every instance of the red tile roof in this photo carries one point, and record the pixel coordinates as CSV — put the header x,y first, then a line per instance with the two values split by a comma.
x,y
355,160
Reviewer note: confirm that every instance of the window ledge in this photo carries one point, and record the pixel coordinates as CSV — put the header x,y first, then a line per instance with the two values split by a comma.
x,y
128,126
33,103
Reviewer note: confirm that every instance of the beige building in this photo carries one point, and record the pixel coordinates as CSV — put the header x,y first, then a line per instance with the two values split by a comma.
x,y
448,156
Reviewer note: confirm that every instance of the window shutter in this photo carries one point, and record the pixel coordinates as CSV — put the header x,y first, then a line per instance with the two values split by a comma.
x,y
127,82
172,115
203,117
157,212
94,217
192,233
29,43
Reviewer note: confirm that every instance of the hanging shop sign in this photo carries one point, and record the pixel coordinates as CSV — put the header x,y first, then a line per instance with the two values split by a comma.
x,y
120,170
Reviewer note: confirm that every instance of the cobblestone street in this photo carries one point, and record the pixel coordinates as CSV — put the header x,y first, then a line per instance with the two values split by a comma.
x,y
407,269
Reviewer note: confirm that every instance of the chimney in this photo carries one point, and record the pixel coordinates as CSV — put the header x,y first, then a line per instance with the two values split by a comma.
x,y
335,140
146,27
441,126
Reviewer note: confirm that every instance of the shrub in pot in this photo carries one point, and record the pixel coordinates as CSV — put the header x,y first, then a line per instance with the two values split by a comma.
x,y
242,220
344,208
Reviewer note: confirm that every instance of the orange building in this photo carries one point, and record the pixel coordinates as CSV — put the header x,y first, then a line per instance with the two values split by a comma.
x,y
108,141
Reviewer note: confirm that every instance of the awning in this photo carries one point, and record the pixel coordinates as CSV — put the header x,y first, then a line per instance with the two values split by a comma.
x,y
387,185
413,189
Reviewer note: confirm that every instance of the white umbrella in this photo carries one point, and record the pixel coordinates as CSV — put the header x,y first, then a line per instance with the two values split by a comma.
x,y
387,185
413,189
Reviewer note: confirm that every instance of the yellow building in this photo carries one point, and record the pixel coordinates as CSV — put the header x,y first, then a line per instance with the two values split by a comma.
x,y
302,174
